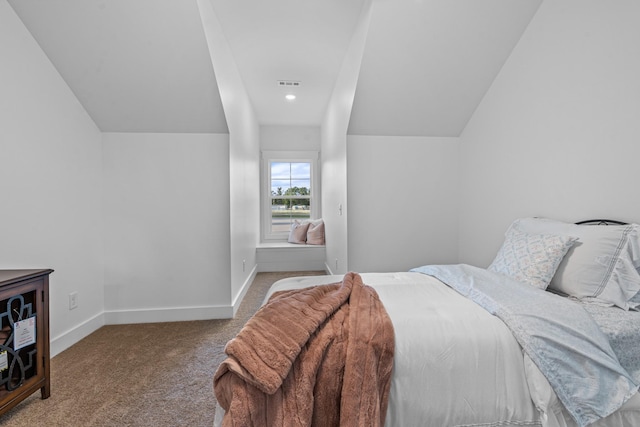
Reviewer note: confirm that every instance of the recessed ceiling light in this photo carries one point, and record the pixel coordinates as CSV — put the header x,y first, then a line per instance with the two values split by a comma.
x,y
290,97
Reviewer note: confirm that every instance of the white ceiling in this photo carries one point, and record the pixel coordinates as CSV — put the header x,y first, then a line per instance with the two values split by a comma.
x,y
295,40
428,63
135,65
144,65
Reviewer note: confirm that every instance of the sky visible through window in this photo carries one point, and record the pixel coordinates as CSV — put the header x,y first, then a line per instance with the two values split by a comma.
x,y
286,175
290,194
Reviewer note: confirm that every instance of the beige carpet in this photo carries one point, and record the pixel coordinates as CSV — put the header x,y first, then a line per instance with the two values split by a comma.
x,y
158,374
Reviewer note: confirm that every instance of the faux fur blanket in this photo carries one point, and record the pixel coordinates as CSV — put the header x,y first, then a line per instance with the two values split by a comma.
x,y
319,356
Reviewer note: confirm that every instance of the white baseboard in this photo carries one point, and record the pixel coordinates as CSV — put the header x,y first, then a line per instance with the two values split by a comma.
x,y
151,315
67,339
121,317
179,314
328,269
243,290
171,314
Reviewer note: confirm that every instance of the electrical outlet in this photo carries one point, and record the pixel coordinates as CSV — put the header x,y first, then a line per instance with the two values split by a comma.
x,y
73,300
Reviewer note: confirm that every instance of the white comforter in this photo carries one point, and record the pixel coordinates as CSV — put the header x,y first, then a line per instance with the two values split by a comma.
x,y
457,365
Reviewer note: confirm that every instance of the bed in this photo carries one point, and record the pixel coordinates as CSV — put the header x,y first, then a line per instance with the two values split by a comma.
x,y
546,336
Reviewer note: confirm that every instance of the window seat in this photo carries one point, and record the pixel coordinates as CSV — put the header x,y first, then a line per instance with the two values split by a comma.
x,y
284,256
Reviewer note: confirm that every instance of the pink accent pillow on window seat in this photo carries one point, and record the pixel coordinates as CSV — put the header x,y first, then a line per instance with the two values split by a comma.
x,y
315,233
298,232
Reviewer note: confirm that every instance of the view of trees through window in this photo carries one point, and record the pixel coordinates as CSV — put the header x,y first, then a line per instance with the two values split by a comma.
x,y
290,194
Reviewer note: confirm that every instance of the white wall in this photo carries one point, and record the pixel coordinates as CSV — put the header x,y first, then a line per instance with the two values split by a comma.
x,y
557,133
166,233
402,202
50,183
244,171
290,138
333,160
244,157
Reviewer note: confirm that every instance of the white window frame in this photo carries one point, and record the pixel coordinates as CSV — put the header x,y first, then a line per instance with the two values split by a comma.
x,y
265,194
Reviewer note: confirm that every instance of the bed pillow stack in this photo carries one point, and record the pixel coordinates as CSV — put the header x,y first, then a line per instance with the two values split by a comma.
x,y
600,267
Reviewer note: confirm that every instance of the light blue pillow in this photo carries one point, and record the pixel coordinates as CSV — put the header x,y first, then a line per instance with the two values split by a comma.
x,y
531,258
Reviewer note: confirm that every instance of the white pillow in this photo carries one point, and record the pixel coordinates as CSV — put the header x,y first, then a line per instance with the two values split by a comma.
x,y
601,267
531,257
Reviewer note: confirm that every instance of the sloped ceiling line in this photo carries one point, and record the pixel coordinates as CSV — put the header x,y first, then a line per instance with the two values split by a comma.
x,y
233,94
145,66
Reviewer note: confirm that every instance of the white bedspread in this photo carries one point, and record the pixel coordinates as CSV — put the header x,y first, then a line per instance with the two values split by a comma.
x,y
557,333
455,364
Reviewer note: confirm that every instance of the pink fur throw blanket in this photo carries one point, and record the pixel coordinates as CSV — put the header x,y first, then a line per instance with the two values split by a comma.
x,y
319,356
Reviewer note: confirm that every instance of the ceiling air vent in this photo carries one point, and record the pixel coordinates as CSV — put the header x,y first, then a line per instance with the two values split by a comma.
x,y
289,83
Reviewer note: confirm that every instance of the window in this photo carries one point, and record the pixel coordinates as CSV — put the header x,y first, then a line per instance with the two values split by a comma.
x,y
289,191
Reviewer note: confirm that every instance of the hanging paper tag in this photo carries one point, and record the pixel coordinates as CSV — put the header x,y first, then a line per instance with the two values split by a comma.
x,y
4,361
24,333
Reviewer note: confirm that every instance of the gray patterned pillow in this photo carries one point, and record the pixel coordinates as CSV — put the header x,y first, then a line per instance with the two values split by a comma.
x,y
531,258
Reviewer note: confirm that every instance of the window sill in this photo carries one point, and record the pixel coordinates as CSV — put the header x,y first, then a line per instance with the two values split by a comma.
x,y
280,245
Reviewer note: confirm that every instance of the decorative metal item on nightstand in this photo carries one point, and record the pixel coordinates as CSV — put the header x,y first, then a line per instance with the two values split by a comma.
x,y
24,335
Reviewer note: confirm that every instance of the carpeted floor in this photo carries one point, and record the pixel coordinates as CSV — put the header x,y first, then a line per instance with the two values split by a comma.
x,y
158,374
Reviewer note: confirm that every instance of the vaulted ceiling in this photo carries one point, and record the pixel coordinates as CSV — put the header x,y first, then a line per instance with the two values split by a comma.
x,y
144,65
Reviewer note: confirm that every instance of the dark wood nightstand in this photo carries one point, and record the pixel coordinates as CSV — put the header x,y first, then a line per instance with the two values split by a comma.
x,y
24,335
